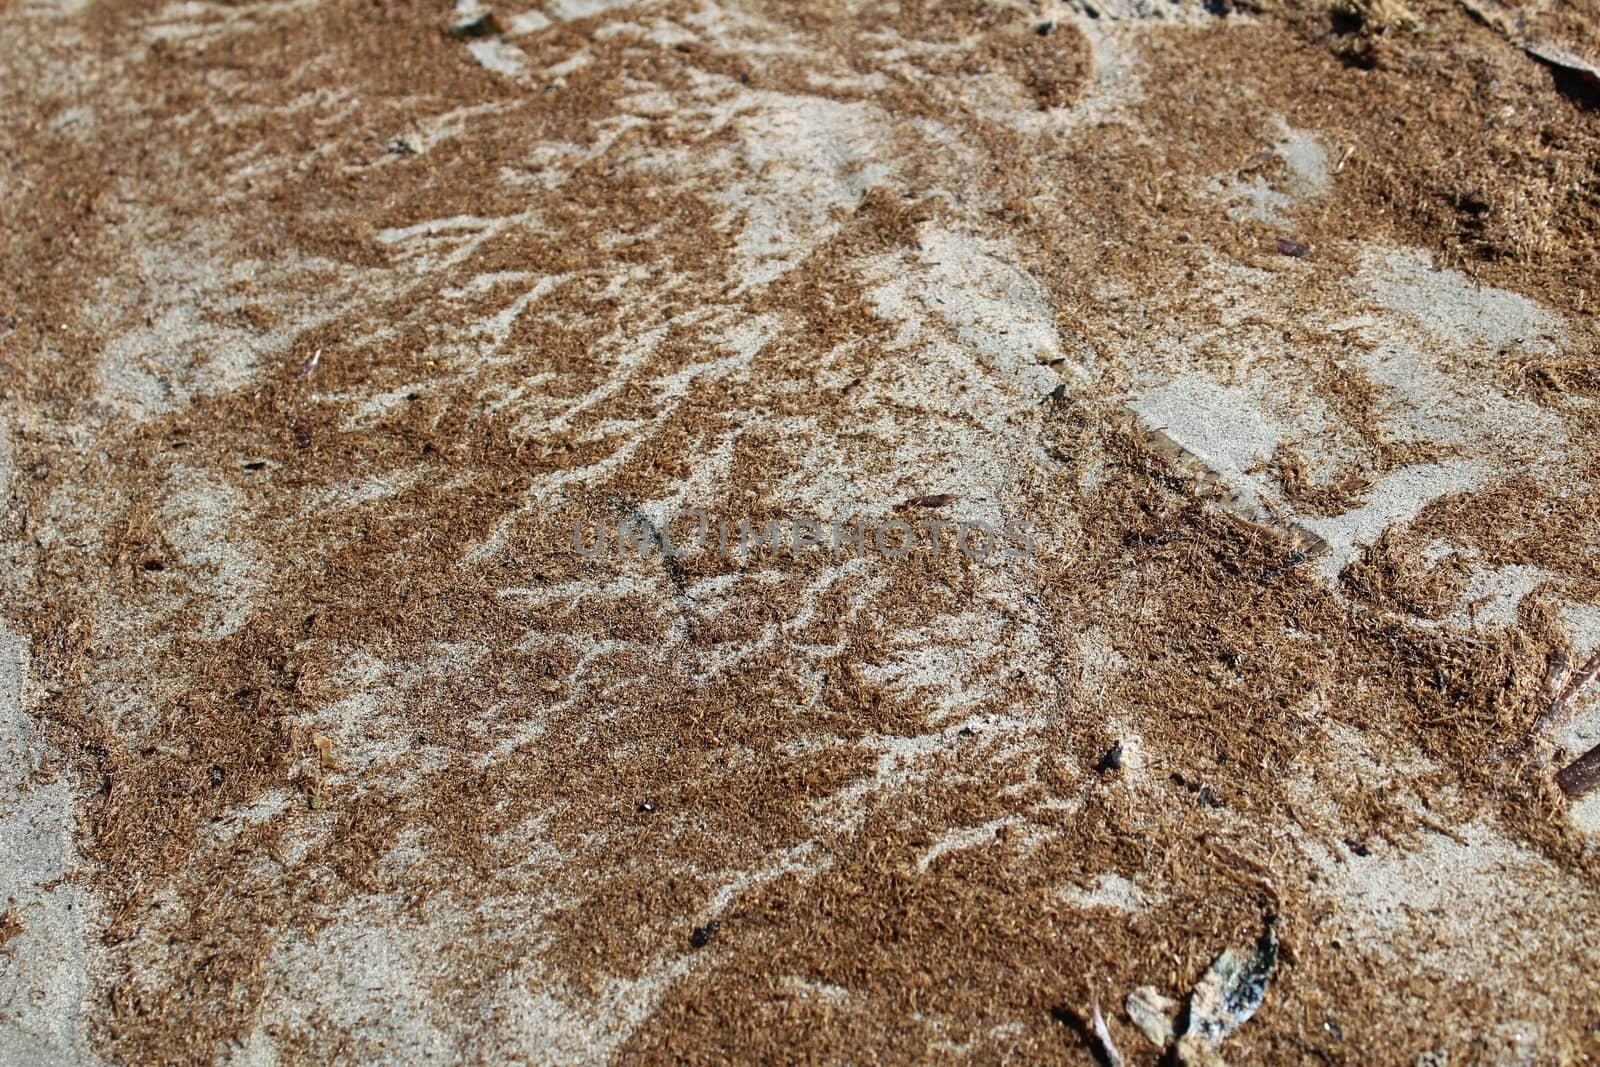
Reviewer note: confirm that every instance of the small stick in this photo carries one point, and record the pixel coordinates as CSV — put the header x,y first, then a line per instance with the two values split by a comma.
x,y
1582,775
1102,1034
309,365
1561,707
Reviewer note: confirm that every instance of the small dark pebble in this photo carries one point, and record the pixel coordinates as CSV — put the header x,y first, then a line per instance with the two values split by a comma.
x,y
1203,793
1290,247
485,25
1111,759
702,937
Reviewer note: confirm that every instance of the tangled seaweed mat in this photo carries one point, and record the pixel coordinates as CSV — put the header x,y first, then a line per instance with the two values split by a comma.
x,y
322,326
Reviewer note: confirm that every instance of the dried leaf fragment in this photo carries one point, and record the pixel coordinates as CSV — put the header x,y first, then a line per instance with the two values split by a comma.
x,y
1231,991
1153,1013
1569,63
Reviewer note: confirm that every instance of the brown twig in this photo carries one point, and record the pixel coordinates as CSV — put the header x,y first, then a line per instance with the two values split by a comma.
x,y
1561,706
1582,775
